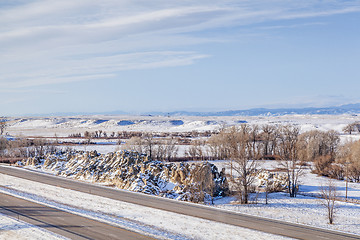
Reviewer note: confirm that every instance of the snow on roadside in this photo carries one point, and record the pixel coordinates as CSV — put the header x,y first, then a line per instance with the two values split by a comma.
x,y
13,229
158,223
301,210
310,183
305,208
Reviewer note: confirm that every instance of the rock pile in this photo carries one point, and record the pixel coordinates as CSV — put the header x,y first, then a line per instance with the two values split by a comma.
x,y
134,171
273,181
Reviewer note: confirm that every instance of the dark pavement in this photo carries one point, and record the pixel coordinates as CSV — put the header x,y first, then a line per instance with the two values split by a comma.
x,y
195,210
61,222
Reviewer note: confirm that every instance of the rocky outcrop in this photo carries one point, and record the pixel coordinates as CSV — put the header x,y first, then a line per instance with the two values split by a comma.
x,y
271,181
134,171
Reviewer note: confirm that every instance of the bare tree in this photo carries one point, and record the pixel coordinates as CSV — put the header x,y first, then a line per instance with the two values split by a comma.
x,y
348,156
288,150
155,148
149,144
268,189
3,125
134,144
352,127
268,138
217,144
245,168
315,143
328,199
3,144
171,149
195,150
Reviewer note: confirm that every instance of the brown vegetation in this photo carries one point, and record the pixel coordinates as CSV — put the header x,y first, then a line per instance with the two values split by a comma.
x,y
328,199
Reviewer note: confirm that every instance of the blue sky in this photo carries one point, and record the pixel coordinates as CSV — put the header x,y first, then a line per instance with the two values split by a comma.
x,y
137,56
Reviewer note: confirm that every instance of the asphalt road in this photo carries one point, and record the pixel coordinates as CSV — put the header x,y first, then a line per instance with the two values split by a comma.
x,y
61,222
195,210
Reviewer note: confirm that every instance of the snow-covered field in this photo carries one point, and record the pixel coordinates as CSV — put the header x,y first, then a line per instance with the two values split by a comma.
x,y
13,229
309,183
153,222
306,208
63,126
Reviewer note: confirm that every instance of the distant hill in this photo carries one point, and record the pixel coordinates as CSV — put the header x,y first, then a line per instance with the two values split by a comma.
x,y
335,110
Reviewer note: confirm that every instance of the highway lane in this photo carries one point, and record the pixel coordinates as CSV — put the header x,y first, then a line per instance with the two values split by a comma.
x,y
195,210
61,222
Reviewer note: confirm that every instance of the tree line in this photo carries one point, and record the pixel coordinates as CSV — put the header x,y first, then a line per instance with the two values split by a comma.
x,y
294,150
129,134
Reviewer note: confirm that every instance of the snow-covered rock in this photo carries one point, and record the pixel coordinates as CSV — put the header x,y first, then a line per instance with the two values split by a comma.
x,y
271,181
193,182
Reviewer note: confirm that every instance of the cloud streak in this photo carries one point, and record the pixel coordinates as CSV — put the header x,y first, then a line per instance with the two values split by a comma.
x,y
45,42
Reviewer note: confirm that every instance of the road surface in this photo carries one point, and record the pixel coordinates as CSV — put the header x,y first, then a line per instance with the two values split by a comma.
x,y
195,210
61,222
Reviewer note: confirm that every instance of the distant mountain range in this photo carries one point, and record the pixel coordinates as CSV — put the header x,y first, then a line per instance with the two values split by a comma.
x,y
335,110
353,109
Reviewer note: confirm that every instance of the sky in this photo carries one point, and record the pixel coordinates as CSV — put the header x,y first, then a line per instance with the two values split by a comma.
x,y
160,55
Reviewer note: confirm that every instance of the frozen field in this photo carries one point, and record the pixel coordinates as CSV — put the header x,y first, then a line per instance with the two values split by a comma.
x,y
63,126
157,223
305,209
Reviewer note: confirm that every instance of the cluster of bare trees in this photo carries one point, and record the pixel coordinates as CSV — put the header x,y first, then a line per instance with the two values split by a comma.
x,y
242,149
129,134
348,162
277,142
339,161
162,149
352,128
242,145
287,144
98,134
246,144
22,148
196,150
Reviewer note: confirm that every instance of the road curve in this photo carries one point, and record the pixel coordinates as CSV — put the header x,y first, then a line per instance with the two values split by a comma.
x,y
61,222
195,210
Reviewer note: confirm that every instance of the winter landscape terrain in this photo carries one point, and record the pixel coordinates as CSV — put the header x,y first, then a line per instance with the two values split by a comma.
x,y
63,126
178,120
306,208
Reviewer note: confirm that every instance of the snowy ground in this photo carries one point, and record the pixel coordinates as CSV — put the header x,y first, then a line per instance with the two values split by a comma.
x,y
157,223
63,126
13,229
309,183
305,208
302,209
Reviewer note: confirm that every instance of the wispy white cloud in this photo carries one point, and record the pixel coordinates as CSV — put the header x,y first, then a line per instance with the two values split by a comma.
x,y
96,68
47,42
293,25
28,90
320,13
